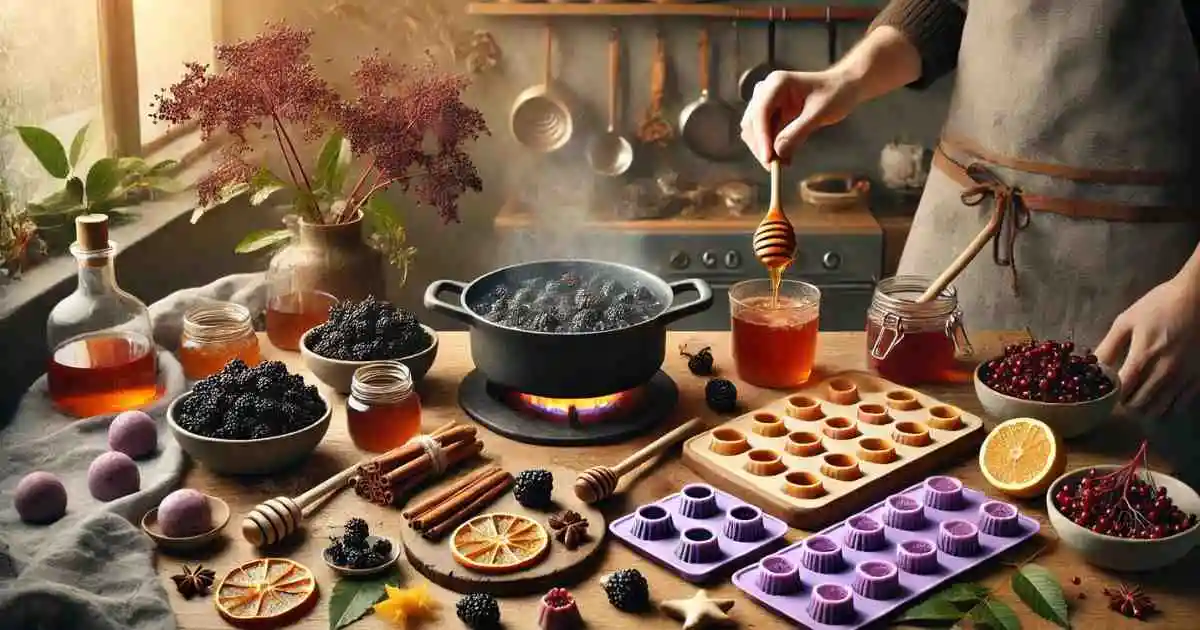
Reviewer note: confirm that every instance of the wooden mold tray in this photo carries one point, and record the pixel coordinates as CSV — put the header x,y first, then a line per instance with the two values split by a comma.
x,y
832,448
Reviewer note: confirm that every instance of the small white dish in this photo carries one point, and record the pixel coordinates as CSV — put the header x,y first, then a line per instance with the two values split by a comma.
x,y
220,518
375,570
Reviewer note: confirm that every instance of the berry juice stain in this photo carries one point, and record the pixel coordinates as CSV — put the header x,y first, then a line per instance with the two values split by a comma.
x,y
103,373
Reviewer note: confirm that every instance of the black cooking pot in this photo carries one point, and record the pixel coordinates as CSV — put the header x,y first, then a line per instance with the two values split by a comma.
x,y
568,365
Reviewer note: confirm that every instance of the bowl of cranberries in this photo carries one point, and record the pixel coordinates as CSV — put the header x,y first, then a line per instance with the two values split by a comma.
x,y
1125,518
1072,392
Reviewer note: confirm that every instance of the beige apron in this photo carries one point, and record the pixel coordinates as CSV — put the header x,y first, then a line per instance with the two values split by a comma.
x,y
1074,117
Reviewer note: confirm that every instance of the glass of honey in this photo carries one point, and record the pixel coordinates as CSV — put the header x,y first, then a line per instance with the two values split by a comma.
x,y
774,340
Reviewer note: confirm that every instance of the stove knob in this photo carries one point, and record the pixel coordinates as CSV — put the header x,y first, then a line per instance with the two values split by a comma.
x,y
831,260
680,260
709,259
733,260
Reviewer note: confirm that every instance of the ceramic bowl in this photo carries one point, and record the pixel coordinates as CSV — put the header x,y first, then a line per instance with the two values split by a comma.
x,y
1068,420
1120,554
338,374
375,570
220,518
249,457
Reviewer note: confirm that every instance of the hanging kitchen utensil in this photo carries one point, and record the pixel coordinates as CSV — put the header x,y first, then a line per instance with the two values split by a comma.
x,y
775,239
708,124
751,77
540,118
610,153
835,191
655,128
831,28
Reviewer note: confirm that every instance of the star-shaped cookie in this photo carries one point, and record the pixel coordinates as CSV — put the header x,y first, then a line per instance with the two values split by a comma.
x,y
700,611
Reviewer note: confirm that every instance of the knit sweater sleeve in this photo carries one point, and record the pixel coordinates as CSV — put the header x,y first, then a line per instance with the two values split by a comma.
x,y
935,27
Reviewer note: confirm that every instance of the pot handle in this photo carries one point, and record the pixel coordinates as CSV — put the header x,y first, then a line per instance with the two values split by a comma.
x,y
697,305
433,303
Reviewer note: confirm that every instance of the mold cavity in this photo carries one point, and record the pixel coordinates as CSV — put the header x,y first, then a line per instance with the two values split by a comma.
x,y
840,385
876,569
943,484
726,434
801,478
871,408
959,528
833,592
763,455
839,460
999,510
698,535
903,503
820,544
766,418
778,564
918,547
652,513
910,428
900,395
803,402
943,412
803,438
863,523
743,513
838,423
874,444
698,492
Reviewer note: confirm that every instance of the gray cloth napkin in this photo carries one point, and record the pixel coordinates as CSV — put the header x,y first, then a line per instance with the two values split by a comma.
x,y
93,569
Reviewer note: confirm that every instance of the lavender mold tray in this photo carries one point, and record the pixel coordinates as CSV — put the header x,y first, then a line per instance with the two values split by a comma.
x,y
875,562
699,532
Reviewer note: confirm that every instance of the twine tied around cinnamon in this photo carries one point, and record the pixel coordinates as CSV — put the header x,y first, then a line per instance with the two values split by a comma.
x,y
1009,208
437,455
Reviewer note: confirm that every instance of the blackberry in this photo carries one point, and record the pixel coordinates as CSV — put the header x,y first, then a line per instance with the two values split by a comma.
x,y
625,298
337,552
382,547
533,488
619,314
543,322
478,611
585,300
627,590
367,559
641,293
699,363
356,533
721,395
585,320
611,288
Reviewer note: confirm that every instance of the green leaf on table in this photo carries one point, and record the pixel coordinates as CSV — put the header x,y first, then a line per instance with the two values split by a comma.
x,y
47,149
261,239
994,614
963,594
102,179
77,144
934,609
352,599
1042,593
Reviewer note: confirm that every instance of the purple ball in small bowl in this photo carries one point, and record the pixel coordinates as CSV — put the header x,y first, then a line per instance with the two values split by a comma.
x,y
185,513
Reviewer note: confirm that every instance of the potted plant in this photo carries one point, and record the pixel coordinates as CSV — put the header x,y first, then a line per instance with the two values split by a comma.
x,y
20,244
403,126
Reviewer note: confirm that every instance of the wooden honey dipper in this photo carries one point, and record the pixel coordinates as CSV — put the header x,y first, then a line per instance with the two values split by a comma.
x,y
275,519
775,238
599,482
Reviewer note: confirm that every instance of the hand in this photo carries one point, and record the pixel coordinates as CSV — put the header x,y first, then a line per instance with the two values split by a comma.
x,y
1161,334
800,103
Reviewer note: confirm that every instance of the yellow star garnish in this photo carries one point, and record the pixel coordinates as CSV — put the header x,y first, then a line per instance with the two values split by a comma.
x,y
403,603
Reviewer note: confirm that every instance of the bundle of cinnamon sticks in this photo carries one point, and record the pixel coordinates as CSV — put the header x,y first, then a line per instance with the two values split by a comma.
x,y
386,479
449,507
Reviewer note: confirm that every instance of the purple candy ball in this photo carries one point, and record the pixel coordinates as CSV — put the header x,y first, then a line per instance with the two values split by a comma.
x,y
134,433
184,513
113,475
41,498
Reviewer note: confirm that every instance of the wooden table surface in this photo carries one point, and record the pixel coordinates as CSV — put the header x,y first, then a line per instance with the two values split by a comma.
x,y
1175,590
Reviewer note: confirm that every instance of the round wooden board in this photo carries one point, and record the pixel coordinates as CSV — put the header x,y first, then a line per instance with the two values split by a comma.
x,y
560,567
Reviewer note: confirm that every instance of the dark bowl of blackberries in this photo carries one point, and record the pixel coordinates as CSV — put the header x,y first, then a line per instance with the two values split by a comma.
x,y
1071,392
249,420
358,333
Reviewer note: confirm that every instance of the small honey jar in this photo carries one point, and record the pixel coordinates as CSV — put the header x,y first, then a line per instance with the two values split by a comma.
x,y
215,334
384,410
910,342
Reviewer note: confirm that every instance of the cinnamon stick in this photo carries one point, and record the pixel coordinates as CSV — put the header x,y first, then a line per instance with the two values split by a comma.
x,y
454,504
407,451
453,454
442,495
457,518
391,494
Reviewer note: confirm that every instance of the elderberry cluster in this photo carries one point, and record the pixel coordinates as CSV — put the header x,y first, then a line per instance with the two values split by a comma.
x,y
250,403
569,303
370,330
1125,507
1047,371
354,550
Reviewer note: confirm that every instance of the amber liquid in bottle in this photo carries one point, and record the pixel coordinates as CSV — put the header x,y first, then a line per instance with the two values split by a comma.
x,y
103,373
291,315
383,411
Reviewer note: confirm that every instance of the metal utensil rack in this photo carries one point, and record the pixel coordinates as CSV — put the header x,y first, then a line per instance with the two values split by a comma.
x,y
736,11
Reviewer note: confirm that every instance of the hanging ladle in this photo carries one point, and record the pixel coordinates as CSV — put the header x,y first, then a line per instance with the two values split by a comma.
x,y
775,238
610,153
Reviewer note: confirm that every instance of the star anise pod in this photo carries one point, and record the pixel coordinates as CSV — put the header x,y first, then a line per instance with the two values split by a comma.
x,y
194,582
570,528
1130,601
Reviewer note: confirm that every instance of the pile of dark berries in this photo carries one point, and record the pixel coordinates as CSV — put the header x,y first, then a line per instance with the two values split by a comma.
x,y
569,303
533,488
699,363
353,550
250,403
627,590
370,330
721,395
1124,503
478,611
1046,371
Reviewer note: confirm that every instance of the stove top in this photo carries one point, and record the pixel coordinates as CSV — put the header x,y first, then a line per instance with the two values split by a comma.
x,y
562,422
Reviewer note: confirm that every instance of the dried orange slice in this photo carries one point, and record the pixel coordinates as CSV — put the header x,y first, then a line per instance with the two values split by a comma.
x,y
265,592
1021,457
499,543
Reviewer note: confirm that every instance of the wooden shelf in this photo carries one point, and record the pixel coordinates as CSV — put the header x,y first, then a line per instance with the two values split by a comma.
x,y
805,13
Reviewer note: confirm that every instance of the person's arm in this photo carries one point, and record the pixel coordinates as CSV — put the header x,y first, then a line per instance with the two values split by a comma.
x,y
933,27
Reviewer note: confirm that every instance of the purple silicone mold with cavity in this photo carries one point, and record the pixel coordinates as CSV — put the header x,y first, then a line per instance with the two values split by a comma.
x,y
778,576
944,493
738,534
873,582
821,555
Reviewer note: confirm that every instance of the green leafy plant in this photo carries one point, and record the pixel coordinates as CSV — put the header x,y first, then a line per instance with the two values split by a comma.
x,y
20,244
966,602
108,186
353,599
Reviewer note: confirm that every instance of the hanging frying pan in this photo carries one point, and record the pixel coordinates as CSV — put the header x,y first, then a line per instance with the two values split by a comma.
x,y
751,77
708,125
540,119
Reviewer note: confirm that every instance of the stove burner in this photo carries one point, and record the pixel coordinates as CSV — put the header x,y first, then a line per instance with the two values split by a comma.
x,y
566,422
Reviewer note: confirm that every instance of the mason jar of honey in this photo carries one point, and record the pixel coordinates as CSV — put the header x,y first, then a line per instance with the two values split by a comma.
x,y
215,334
910,342
384,410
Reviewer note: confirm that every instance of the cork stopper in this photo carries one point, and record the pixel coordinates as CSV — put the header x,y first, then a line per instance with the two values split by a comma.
x,y
91,232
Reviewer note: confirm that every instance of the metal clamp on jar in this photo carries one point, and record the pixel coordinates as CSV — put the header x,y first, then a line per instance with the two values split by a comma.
x,y
910,342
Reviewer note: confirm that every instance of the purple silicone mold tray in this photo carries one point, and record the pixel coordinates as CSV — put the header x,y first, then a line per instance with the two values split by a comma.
x,y
699,532
875,562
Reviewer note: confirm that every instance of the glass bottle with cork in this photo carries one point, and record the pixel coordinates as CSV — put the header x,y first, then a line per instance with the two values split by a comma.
x,y
384,410
101,342
910,342
214,334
